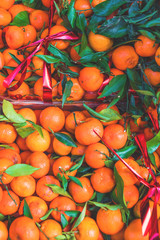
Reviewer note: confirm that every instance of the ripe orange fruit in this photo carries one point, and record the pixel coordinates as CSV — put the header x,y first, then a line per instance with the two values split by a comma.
x,y
36,142
115,72
134,231
7,56
157,56
119,235
11,155
6,4
51,228
52,117
30,34
62,204
46,3
15,9
8,133
77,92
79,194
5,17
104,106
90,78
1,61
37,206
115,136
145,47
125,57
148,133
127,176
103,180
99,43
21,142
95,155
38,87
87,229
23,228
4,164
131,195
1,193
79,150
152,76
60,44
85,134
39,19
96,2
22,90
74,54
23,186
14,37
109,221
61,148
3,231
41,161
73,119
7,205
62,165
2,88
83,6
28,114
1,39
44,191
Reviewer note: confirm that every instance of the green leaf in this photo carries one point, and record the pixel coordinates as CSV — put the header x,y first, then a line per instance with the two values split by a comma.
x,y
3,118
153,144
64,221
31,3
72,213
81,22
145,92
2,217
26,210
116,84
62,56
120,188
152,23
147,6
60,237
48,59
59,190
37,128
77,165
125,152
107,7
147,34
65,139
15,58
64,182
67,91
76,180
21,19
84,42
109,163
47,214
72,13
106,115
6,146
105,205
81,217
17,170
24,132
11,114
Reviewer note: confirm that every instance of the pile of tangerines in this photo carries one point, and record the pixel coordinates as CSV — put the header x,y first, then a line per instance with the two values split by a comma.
x,y
58,178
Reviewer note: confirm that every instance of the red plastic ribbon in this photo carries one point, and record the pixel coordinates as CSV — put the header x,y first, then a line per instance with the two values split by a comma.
x,y
154,122
149,221
105,83
47,86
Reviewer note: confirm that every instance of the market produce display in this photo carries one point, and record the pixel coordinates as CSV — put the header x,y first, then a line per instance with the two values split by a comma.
x,y
89,168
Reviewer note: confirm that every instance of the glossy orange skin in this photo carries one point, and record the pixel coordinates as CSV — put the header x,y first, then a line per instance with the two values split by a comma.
x,y
145,47
95,155
2,88
131,234
14,37
10,154
23,186
115,136
84,132
30,34
4,164
3,231
39,18
62,204
60,44
38,207
103,180
51,228
8,133
83,5
153,77
18,229
22,90
5,17
7,205
73,119
90,78
87,229
44,191
109,221
79,194
41,161
125,57
38,87
6,4
61,148
99,43
52,117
